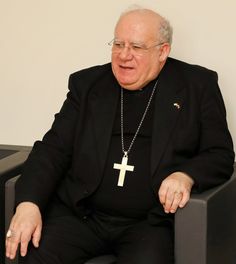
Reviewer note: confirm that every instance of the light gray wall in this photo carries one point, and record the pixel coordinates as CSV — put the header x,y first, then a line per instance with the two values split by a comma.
x,y
42,42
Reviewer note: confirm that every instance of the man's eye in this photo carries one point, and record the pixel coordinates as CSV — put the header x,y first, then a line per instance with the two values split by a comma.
x,y
137,47
118,44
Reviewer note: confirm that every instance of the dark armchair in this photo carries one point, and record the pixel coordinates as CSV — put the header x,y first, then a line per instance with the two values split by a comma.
x,y
205,230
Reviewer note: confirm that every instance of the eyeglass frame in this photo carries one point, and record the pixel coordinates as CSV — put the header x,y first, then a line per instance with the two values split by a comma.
x,y
133,46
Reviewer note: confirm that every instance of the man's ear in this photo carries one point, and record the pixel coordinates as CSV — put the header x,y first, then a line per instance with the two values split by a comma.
x,y
164,52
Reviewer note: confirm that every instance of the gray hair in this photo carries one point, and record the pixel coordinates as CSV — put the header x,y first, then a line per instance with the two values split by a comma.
x,y
165,31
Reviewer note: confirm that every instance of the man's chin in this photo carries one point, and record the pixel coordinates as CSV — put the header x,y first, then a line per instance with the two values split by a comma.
x,y
131,87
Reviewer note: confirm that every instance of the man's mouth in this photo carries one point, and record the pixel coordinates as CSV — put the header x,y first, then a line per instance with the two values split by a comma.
x,y
126,67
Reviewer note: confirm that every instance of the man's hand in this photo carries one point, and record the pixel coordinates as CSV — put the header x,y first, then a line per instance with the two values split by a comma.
x,y
175,191
25,225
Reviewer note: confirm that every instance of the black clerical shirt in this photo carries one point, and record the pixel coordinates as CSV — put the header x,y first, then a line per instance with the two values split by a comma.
x,y
136,197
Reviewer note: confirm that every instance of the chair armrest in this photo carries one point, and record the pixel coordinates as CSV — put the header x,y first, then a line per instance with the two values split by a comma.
x,y
10,167
12,159
9,208
205,230
9,200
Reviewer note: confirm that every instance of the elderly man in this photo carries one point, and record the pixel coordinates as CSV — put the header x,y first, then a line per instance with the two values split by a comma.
x,y
131,141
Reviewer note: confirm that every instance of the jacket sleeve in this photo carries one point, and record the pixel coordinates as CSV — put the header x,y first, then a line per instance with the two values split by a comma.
x,y
51,157
213,163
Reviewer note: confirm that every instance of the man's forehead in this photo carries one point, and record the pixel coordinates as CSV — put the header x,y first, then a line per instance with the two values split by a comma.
x,y
138,23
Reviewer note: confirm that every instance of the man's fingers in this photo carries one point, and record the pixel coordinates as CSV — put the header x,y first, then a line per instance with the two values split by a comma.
x,y
37,235
176,202
27,221
162,194
169,201
175,191
166,197
12,244
185,198
25,238
172,200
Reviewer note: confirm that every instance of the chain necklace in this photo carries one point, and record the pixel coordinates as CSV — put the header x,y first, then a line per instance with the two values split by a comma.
x,y
123,167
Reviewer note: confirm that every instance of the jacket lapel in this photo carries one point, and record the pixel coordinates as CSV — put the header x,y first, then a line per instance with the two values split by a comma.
x,y
168,105
103,100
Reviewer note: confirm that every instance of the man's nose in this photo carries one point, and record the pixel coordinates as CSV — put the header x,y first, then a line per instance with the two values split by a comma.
x,y
126,53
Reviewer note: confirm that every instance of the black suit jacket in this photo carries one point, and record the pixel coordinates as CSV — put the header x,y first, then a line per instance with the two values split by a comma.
x,y
189,134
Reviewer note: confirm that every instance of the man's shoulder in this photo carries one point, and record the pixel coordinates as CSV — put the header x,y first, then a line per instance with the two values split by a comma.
x,y
92,73
191,70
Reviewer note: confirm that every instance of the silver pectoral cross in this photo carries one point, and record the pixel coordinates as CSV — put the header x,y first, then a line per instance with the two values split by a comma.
x,y
123,167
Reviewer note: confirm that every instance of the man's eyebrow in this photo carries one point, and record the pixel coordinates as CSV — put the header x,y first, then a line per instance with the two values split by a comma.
x,y
130,42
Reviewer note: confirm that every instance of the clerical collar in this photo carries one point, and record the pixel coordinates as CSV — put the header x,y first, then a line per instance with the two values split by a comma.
x,y
146,89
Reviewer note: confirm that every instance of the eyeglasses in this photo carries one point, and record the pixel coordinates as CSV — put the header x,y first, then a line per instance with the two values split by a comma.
x,y
135,48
